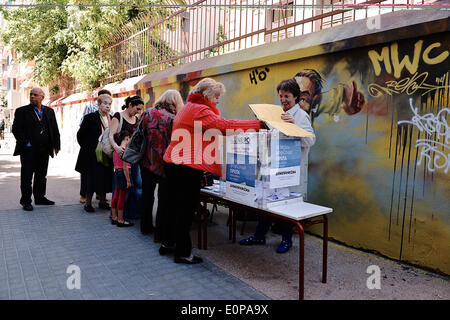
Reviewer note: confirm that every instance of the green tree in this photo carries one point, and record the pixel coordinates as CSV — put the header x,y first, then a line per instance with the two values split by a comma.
x,y
66,39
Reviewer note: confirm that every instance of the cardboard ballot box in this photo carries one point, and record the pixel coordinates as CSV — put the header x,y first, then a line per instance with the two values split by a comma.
x,y
262,168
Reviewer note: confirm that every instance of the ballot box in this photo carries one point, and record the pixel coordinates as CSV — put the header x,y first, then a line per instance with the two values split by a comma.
x,y
262,169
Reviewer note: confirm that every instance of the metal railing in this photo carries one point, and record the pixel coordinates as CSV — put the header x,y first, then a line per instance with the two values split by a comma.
x,y
209,28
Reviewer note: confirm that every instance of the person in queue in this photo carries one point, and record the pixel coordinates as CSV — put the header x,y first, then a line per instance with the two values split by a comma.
x,y
122,182
91,107
98,176
184,168
134,105
157,125
294,102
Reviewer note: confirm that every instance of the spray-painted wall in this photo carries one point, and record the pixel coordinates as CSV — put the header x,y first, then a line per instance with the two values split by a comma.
x,y
385,169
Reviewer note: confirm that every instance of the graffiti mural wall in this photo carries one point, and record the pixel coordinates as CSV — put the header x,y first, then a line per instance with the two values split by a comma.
x,y
381,159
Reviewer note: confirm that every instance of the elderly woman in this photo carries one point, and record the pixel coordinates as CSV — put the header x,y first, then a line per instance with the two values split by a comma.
x,y
157,124
293,102
98,177
185,163
127,120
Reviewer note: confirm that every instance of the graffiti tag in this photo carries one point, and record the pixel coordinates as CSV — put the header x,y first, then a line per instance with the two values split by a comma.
x,y
435,125
408,85
261,75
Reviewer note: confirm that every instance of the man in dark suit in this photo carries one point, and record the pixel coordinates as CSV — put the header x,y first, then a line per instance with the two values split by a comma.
x,y
37,138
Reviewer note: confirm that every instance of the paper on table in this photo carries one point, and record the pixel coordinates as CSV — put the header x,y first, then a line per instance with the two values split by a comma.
x,y
271,113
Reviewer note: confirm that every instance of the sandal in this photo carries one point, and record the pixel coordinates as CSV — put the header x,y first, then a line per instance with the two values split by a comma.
x,y
251,241
125,223
113,221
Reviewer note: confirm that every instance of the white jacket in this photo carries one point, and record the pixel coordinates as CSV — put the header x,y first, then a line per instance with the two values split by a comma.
x,y
301,118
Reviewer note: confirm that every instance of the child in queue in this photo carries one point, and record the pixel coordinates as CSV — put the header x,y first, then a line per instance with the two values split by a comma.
x,y
122,181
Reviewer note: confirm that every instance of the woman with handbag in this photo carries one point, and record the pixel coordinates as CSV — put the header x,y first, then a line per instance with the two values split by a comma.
x,y
187,157
98,175
157,129
127,120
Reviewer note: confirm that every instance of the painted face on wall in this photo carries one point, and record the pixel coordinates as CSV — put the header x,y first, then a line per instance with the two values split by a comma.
x,y
306,92
287,99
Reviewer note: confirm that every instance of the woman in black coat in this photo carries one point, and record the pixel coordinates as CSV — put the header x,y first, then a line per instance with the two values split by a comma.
x,y
98,176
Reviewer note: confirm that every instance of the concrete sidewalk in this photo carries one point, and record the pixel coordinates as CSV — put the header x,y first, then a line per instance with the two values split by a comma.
x,y
54,237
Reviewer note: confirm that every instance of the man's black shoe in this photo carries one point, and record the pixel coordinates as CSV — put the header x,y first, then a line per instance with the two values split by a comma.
x,y
27,207
44,201
165,250
88,208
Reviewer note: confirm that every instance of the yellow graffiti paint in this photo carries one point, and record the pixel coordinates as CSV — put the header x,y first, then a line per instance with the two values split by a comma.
x,y
390,54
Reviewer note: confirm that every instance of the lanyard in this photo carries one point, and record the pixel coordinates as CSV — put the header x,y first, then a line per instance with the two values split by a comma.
x,y
39,114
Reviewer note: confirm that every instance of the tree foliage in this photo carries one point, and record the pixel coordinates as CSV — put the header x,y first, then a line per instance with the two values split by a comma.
x,y
66,39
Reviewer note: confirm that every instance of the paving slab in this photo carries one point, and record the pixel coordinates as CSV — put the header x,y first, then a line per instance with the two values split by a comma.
x,y
37,247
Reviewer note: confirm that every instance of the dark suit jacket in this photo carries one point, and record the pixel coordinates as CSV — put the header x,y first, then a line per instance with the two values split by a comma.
x,y
25,122
87,136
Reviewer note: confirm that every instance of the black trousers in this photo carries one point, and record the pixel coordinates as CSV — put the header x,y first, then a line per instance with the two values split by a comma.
x,y
149,181
184,193
34,161
83,185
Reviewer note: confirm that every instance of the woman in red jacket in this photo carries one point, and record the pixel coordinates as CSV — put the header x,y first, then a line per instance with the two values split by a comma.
x,y
192,150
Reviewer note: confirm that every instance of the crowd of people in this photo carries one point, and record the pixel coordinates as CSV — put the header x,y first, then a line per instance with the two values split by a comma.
x,y
176,170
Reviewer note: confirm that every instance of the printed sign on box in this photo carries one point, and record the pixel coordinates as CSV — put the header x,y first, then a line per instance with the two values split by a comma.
x,y
285,162
241,167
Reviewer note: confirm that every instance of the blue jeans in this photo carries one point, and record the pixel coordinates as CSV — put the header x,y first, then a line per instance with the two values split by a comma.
x,y
133,203
264,224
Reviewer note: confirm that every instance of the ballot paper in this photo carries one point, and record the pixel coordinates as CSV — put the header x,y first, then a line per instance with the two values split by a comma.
x,y
271,114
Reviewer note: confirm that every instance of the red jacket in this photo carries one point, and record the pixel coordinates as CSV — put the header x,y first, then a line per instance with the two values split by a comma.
x,y
197,150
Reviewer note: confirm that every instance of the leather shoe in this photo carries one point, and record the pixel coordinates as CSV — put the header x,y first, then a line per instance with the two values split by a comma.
x,y
27,207
194,260
165,250
104,205
44,201
89,208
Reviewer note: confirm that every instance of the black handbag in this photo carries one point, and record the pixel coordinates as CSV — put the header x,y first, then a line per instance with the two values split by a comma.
x,y
137,146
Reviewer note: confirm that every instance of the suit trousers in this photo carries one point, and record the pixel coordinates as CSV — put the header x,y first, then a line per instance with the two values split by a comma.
x,y
34,161
184,192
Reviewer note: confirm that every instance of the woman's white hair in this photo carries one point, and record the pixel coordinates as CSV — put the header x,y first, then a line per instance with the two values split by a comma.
x,y
209,88
170,97
103,97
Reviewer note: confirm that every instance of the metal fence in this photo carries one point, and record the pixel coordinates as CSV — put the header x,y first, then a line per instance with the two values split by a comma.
x,y
206,28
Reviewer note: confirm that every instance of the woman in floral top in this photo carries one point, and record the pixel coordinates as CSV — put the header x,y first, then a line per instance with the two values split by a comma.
x,y
157,123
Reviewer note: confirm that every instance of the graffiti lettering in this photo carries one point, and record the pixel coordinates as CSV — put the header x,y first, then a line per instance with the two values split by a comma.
x,y
408,85
436,125
390,58
262,75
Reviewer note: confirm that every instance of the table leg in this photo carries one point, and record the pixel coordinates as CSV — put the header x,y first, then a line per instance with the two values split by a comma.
x,y
233,219
301,280
199,225
325,249
230,222
205,226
